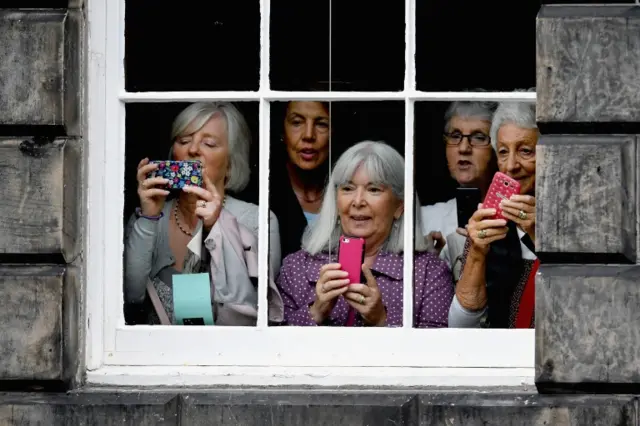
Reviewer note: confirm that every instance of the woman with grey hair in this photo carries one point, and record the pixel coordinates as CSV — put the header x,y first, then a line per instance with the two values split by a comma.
x,y
200,229
364,198
471,162
498,273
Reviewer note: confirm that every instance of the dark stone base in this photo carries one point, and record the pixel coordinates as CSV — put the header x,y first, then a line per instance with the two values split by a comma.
x,y
307,407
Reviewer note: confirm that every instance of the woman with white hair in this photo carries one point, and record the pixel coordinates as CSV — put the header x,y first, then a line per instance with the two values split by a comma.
x,y
497,283
364,198
200,229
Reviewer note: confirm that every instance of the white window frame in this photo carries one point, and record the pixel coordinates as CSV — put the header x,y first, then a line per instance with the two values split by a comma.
x,y
117,354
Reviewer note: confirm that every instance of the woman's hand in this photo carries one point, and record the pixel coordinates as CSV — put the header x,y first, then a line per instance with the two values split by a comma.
x,y
484,231
331,284
209,204
435,242
151,197
366,299
522,210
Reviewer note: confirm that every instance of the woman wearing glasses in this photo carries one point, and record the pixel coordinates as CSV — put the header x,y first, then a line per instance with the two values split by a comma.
x,y
471,162
499,262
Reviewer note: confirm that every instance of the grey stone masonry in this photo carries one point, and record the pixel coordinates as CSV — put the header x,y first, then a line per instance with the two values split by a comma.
x,y
40,70
588,109
42,155
305,407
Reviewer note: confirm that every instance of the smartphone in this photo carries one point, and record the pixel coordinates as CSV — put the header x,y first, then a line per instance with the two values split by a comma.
x,y
502,188
179,173
467,200
351,258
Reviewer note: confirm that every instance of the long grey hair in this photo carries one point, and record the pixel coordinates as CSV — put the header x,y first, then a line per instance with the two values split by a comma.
x,y
383,165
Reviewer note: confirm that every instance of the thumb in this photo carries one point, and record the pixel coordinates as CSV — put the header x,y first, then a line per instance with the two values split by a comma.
x,y
371,281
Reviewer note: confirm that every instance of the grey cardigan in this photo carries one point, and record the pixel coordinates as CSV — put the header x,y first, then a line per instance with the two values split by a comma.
x,y
147,249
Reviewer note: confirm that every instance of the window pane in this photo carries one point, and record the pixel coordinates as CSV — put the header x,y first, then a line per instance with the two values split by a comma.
x,y
357,47
463,45
302,148
456,159
192,46
160,245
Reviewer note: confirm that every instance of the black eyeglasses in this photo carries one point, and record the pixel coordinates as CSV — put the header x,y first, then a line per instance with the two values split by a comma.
x,y
475,139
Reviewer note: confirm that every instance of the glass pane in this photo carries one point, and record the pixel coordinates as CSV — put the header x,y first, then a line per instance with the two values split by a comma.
x,y
461,45
308,137
457,148
356,46
192,46
224,164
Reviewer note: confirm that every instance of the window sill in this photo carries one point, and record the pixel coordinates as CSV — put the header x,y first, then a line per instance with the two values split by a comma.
x,y
401,377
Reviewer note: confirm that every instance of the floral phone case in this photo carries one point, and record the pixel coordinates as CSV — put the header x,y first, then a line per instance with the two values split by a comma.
x,y
179,173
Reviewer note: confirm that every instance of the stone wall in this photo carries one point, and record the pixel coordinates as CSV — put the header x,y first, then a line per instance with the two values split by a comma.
x,y
587,297
587,294
41,214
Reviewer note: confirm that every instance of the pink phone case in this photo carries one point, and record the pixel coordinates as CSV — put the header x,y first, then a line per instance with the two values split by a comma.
x,y
502,188
351,258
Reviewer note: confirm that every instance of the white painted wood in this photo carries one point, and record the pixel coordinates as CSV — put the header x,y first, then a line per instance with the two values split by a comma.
x,y
270,95
112,172
327,356
410,46
263,216
96,132
409,85
403,377
322,347
263,183
409,219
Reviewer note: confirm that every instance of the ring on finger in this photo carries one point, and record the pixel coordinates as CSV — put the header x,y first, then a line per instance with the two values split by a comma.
x,y
522,215
482,234
202,203
361,300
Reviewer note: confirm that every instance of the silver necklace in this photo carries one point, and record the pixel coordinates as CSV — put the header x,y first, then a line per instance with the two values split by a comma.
x,y
175,214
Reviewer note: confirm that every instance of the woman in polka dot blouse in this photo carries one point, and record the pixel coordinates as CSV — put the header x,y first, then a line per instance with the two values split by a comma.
x,y
364,198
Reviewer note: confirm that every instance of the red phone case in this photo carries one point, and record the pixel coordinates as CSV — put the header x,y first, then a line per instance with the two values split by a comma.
x,y
502,188
351,258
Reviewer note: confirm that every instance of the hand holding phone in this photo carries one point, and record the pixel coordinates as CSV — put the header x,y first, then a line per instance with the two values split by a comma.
x,y
332,282
152,191
502,188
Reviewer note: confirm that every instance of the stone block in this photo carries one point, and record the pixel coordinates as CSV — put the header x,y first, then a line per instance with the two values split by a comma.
x,y
39,69
587,328
281,407
588,64
99,408
41,197
586,198
31,336
523,409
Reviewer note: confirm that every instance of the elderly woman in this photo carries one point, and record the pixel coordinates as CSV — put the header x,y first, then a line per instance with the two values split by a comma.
x,y
364,198
200,229
471,162
496,286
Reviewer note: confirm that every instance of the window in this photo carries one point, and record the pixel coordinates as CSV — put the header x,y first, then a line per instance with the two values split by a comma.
x,y
161,78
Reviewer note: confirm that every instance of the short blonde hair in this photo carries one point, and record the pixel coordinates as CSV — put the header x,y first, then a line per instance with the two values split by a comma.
x,y
238,134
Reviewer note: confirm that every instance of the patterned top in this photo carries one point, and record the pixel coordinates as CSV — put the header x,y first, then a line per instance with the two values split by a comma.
x,y
433,289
